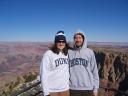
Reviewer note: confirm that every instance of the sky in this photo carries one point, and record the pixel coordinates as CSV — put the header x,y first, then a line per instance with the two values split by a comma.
x,y
39,20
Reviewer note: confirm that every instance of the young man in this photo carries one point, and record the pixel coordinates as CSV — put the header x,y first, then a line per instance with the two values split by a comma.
x,y
54,70
84,78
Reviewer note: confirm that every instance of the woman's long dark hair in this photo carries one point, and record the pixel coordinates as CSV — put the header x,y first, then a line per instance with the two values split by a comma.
x,y
56,50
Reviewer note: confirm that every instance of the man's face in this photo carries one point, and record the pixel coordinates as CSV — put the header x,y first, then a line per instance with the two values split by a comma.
x,y
78,41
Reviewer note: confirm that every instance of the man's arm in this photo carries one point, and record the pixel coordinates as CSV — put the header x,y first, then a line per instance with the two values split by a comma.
x,y
95,75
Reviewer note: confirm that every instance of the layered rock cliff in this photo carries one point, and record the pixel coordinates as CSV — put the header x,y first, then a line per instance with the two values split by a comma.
x,y
113,69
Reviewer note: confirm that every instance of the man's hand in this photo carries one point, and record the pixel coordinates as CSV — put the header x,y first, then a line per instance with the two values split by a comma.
x,y
95,94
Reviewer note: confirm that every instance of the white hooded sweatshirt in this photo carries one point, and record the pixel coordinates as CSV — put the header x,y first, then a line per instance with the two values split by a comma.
x,y
54,72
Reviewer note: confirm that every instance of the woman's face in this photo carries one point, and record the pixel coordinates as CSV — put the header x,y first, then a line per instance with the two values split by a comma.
x,y
61,44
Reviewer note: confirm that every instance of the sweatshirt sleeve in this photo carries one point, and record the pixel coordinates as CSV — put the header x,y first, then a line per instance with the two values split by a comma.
x,y
44,74
95,73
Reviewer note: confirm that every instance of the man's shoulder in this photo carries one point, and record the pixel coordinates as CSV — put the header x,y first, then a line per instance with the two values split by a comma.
x,y
89,50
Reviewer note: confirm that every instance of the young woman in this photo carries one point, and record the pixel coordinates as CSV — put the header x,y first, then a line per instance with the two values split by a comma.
x,y
54,69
